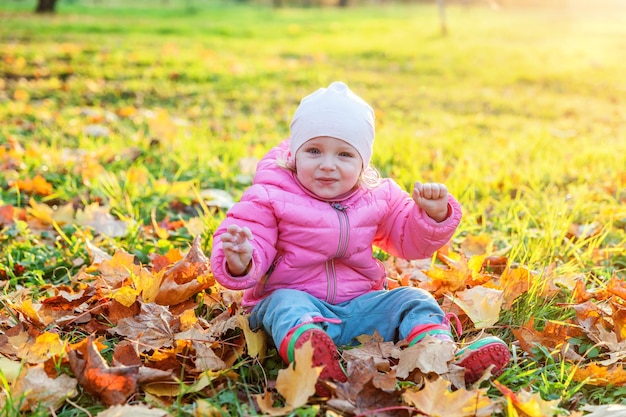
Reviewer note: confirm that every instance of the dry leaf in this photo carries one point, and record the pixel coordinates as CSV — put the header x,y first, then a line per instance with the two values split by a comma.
x,y
101,221
529,404
436,400
429,355
256,342
39,390
481,304
132,411
151,329
612,410
112,385
186,277
296,383
9,369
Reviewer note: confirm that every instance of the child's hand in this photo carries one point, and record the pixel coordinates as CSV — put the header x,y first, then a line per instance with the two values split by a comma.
x,y
237,249
432,198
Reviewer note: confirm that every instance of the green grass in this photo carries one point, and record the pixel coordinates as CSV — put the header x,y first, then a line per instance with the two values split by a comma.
x,y
520,112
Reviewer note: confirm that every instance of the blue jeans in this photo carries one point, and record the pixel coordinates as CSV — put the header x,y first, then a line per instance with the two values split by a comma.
x,y
392,313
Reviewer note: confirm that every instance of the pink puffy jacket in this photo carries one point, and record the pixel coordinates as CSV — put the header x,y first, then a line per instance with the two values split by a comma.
x,y
324,247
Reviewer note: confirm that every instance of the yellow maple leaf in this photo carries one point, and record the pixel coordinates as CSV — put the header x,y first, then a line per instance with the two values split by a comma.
x,y
125,295
148,283
46,345
296,383
255,341
188,319
481,304
437,400
41,212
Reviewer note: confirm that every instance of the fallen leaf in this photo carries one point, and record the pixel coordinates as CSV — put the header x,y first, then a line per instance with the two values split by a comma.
x,y
41,391
151,329
256,342
132,411
296,383
429,355
186,277
477,245
37,185
515,282
437,400
99,218
527,403
9,369
553,335
602,376
111,385
611,410
482,305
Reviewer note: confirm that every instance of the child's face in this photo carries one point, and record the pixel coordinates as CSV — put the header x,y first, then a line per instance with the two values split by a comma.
x,y
328,167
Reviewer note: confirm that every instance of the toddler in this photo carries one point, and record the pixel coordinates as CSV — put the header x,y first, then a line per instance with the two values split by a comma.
x,y
300,242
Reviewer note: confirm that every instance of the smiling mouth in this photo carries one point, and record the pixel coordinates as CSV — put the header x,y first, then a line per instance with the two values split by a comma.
x,y
326,180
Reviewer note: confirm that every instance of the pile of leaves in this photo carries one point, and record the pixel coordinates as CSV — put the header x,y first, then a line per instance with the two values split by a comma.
x,y
163,336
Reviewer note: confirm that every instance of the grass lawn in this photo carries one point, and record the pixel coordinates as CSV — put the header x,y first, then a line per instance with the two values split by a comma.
x,y
129,127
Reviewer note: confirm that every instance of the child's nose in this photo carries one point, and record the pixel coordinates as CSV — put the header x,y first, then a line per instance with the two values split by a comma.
x,y
328,162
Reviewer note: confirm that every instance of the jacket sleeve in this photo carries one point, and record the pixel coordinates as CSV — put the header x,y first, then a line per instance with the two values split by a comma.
x,y
254,211
408,232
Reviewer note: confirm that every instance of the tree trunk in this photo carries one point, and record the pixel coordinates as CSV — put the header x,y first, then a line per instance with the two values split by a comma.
x,y
442,16
45,6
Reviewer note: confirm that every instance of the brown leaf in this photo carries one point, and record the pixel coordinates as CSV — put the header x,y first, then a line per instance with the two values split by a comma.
x,y
429,355
101,221
40,390
111,385
153,328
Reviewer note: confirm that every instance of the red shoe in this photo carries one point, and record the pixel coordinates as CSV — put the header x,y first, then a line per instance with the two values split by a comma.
x,y
324,353
478,356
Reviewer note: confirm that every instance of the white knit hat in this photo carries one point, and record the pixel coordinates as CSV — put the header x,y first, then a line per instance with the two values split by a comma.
x,y
336,112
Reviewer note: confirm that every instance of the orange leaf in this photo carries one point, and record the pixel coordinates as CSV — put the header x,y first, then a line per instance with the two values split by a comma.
x,y
37,185
601,376
529,405
437,400
111,385
186,277
515,282
553,335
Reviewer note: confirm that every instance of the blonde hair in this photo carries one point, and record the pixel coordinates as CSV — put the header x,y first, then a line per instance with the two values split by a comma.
x,y
369,178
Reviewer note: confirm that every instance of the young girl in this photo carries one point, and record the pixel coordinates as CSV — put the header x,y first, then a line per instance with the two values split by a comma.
x,y
300,242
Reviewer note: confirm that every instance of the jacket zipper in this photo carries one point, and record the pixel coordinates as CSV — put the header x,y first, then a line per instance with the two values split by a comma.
x,y
342,248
